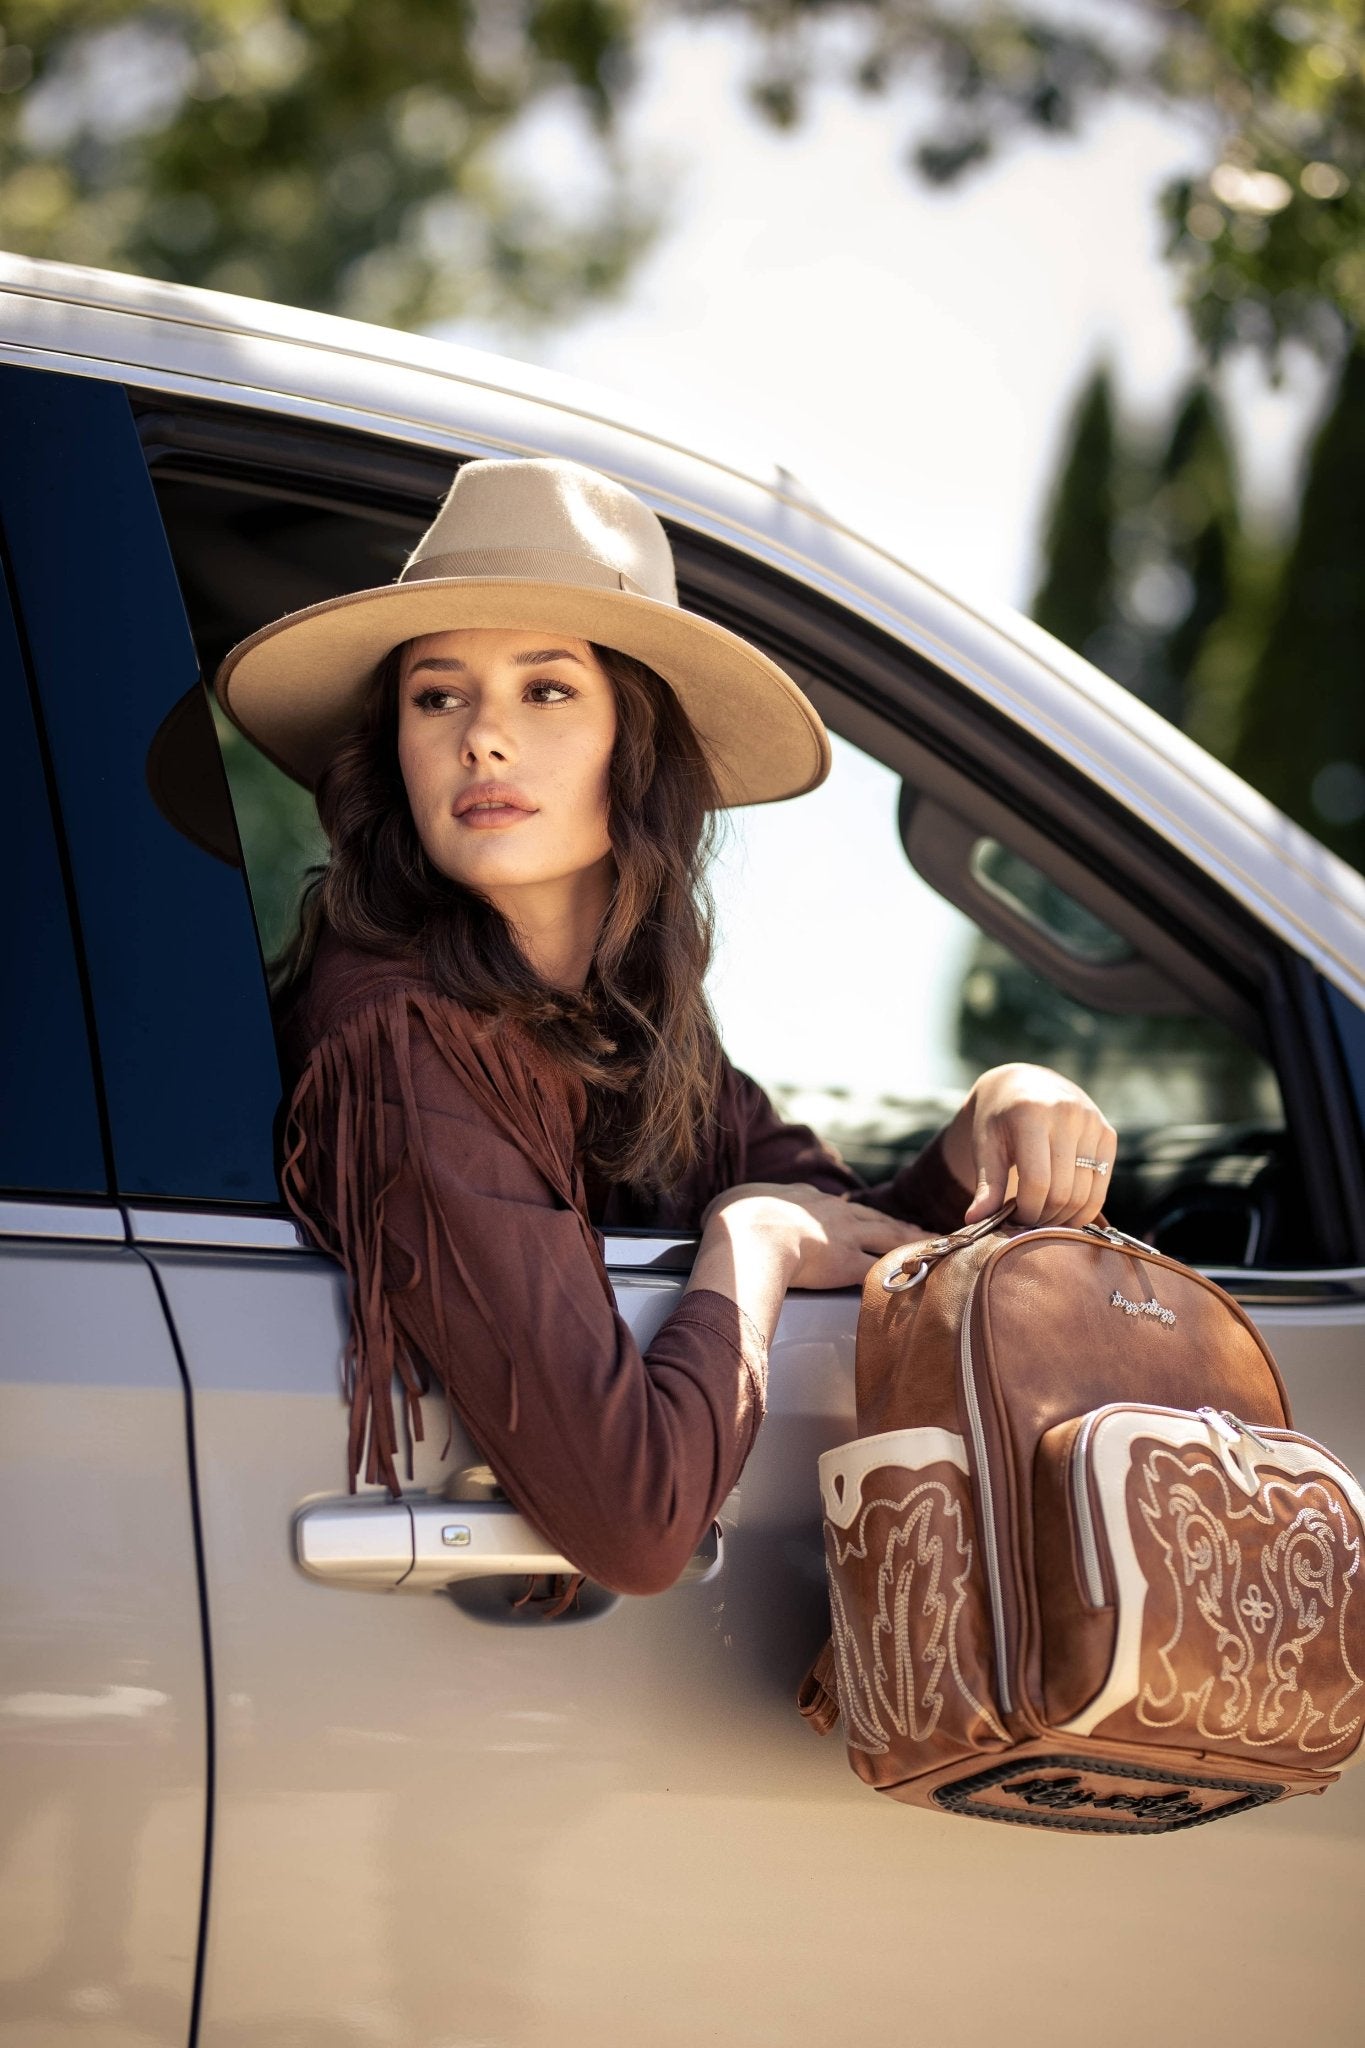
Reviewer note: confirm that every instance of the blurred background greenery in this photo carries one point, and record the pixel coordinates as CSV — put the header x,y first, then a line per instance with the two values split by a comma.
x,y
356,155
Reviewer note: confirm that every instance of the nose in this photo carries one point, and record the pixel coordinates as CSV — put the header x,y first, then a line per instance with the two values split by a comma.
x,y
486,737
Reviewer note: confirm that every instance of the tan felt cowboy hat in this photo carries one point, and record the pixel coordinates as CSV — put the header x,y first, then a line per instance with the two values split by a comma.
x,y
551,547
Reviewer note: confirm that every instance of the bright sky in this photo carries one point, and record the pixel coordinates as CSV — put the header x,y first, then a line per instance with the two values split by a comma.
x,y
912,357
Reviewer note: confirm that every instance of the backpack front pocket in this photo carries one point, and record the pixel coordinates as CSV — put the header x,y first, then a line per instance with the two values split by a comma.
x,y
1214,1580
910,1627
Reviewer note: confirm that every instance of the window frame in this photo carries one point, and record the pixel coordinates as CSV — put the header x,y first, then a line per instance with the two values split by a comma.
x,y
886,698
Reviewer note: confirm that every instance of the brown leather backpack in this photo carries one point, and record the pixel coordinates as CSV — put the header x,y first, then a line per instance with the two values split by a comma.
x,y
1083,1573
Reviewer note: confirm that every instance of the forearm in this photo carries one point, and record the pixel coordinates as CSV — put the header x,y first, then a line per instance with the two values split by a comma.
x,y
750,1267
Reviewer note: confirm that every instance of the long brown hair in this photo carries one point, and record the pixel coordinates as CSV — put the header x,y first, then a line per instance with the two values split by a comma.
x,y
640,1036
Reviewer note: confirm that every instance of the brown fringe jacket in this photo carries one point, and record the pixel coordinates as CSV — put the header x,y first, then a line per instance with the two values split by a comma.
x,y
434,1154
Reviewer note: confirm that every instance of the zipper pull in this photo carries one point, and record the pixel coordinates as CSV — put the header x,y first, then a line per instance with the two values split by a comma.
x,y
1120,1239
1245,1429
1232,1443
1221,1424
1105,1231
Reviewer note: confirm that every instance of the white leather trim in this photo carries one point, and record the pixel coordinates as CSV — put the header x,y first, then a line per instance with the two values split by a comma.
x,y
1111,1456
913,1449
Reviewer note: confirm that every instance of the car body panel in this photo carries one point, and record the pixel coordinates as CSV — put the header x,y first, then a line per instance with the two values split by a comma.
x,y
102,1714
433,1829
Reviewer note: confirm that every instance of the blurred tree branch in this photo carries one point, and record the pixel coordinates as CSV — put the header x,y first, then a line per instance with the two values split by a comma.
x,y
351,155
1267,228
354,154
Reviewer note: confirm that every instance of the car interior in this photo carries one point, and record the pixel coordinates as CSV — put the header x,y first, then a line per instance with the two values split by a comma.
x,y
1091,953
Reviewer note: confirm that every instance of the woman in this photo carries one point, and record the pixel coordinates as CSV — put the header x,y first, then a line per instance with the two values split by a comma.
x,y
496,1018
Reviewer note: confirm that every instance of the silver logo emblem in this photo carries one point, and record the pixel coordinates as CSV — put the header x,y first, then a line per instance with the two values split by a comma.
x,y
1142,1308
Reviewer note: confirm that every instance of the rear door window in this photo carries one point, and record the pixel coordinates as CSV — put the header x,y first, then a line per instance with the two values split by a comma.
x,y
50,1139
188,1062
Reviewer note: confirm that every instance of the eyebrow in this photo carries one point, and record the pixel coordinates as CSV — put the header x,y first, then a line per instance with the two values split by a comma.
x,y
531,660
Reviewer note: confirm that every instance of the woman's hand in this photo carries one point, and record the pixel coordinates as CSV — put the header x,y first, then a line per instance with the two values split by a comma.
x,y
819,1240
763,1237
1033,1125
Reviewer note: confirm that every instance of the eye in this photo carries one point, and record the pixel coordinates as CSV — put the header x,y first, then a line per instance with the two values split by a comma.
x,y
561,692
431,698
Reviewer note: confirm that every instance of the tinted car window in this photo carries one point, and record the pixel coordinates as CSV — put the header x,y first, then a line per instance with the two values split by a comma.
x,y
49,1122
190,1075
913,1000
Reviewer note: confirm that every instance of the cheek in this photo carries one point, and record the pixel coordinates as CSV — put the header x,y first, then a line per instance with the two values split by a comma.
x,y
595,784
415,765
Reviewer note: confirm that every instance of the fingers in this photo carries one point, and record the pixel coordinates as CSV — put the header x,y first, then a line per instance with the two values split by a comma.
x,y
992,1176
1034,1160
877,1233
1065,1192
1099,1140
1044,1144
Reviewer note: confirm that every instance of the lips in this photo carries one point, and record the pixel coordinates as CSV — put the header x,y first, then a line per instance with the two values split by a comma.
x,y
492,803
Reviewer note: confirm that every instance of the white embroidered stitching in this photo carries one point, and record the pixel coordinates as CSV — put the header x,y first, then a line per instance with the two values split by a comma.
x,y
1308,1565
862,1694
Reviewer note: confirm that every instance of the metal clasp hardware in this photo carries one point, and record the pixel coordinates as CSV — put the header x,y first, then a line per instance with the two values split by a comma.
x,y
900,1279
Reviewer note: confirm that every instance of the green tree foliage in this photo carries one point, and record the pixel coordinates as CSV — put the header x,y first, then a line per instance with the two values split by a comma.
x,y
1301,733
1075,599
1141,545
1258,652
351,155
1268,227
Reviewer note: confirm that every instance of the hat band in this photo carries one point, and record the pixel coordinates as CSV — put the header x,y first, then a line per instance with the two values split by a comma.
x,y
545,565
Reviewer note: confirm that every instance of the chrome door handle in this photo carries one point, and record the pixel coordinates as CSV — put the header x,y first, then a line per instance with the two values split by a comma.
x,y
423,1545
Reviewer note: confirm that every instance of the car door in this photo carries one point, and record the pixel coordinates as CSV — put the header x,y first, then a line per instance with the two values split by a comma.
x,y
103,1709
441,1819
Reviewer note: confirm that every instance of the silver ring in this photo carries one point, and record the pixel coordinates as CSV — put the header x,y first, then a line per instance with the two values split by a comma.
x,y
1095,1165
899,1278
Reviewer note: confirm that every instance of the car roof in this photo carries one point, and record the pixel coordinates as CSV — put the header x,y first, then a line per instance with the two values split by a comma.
x,y
442,395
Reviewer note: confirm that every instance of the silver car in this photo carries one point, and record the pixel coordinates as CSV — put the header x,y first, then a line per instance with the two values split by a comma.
x,y
285,1768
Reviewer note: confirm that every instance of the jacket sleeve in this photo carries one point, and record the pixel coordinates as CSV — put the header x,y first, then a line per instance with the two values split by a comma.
x,y
470,1264
923,1191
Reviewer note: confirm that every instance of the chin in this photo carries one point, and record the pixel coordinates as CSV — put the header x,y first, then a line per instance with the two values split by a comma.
x,y
486,874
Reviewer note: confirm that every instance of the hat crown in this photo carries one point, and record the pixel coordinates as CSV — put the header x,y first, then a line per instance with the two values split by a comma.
x,y
550,519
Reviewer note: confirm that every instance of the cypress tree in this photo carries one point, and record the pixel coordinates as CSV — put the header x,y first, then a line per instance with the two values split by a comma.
x,y
1302,730
1074,598
1195,511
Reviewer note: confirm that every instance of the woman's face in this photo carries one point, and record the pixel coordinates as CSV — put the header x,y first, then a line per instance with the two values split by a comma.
x,y
504,741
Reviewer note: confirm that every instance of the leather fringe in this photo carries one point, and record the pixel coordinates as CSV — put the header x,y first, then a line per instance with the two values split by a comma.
x,y
343,1152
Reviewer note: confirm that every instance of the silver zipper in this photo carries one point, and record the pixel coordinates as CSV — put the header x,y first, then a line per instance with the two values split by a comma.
x,y
1231,1427
983,1477
989,1548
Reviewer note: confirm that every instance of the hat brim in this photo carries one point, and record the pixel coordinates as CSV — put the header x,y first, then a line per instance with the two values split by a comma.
x,y
296,687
